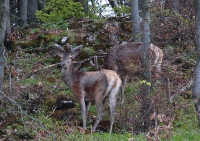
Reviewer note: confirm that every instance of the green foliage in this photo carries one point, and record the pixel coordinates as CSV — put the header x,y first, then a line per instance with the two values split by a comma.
x,y
145,82
90,51
122,9
59,10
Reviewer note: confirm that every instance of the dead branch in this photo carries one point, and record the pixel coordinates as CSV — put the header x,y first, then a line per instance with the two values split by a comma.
x,y
91,57
115,17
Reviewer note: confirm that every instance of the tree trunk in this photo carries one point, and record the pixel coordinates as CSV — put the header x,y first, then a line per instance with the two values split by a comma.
x,y
135,21
41,4
32,8
145,88
85,6
8,27
2,36
140,2
196,85
22,13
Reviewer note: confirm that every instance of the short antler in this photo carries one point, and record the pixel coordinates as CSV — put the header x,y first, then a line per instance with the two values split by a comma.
x,y
58,47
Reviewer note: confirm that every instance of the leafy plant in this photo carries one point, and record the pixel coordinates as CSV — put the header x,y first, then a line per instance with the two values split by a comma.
x,y
59,10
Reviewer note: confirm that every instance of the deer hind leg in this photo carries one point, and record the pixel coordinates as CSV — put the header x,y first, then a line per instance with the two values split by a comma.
x,y
124,79
112,104
99,106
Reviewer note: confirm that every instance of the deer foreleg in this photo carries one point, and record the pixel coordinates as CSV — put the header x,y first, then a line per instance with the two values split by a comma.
x,y
83,112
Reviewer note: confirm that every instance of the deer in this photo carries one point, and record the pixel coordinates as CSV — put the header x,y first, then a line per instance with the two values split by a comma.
x,y
88,86
126,60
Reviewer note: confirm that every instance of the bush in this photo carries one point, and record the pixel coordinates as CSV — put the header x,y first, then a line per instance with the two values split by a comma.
x,y
59,10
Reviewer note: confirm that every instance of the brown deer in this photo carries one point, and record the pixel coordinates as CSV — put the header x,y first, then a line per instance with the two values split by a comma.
x,y
125,59
89,86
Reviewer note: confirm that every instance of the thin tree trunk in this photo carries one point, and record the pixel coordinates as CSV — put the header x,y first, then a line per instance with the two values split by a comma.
x,y
135,21
85,6
2,36
41,4
8,27
32,8
196,85
145,88
22,13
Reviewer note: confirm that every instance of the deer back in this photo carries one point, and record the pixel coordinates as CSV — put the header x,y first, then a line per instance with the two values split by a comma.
x,y
124,58
127,58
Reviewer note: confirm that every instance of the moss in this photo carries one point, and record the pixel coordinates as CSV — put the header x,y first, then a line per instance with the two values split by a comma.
x,y
49,100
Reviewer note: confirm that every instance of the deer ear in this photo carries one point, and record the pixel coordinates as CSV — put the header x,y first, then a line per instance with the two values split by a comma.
x,y
75,51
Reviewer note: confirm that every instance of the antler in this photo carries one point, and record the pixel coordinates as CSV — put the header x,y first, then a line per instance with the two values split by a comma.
x,y
58,47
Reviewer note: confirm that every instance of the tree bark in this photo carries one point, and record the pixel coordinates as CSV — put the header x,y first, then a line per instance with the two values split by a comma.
x,y
85,6
2,36
196,85
135,21
41,4
145,88
32,8
8,26
22,13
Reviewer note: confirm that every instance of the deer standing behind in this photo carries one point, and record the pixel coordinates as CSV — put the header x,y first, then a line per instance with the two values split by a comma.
x,y
89,86
126,60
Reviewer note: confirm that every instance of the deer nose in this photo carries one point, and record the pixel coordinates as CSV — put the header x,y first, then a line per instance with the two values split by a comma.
x,y
63,64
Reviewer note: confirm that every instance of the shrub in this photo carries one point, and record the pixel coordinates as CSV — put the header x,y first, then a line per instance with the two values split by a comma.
x,y
59,10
